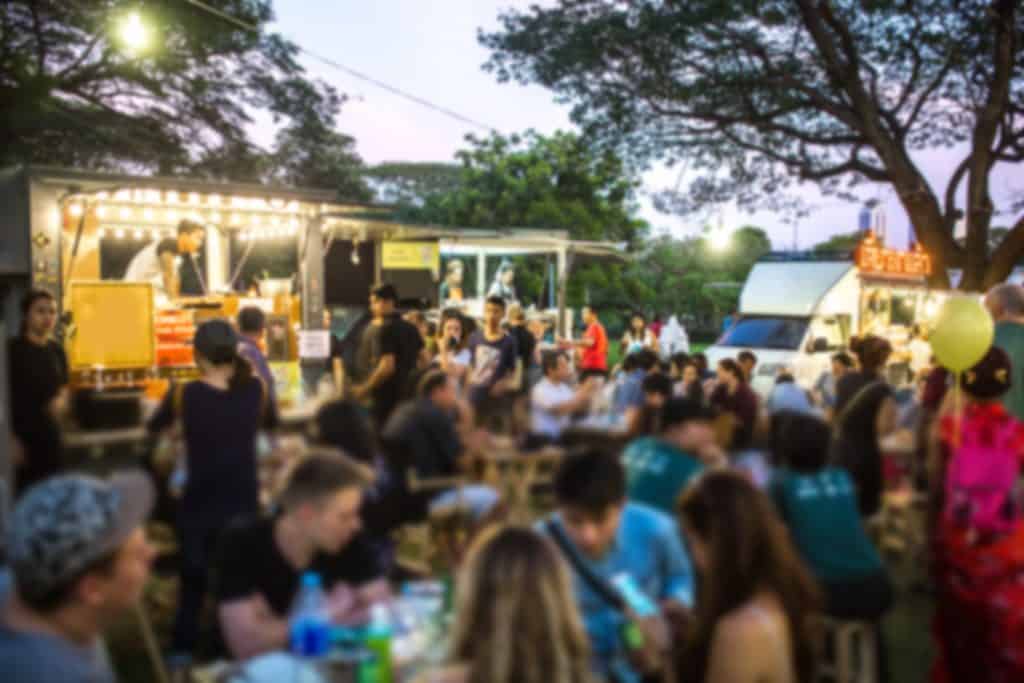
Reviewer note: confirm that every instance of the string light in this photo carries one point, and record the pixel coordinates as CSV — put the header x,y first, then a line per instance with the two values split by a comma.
x,y
172,215
101,212
125,213
293,206
213,200
102,196
119,233
75,210
172,197
138,234
193,198
123,195
148,214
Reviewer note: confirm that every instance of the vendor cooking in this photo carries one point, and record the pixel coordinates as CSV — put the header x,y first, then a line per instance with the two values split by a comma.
x,y
158,262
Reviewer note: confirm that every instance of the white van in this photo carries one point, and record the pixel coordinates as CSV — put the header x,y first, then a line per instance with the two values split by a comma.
x,y
795,314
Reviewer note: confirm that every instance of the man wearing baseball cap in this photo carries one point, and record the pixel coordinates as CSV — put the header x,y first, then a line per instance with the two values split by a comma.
x,y
79,559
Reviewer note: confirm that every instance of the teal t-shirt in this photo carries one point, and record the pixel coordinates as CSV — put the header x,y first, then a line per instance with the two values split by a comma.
x,y
1010,338
823,519
657,472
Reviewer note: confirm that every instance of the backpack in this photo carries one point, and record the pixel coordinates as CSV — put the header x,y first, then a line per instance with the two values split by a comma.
x,y
982,476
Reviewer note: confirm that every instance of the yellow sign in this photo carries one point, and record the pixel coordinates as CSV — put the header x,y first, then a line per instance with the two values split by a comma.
x,y
411,256
113,325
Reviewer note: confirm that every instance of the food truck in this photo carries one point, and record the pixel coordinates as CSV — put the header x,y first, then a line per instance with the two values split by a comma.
x,y
131,287
797,310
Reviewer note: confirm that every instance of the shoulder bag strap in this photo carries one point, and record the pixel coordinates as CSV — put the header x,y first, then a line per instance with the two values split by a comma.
x,y
597,584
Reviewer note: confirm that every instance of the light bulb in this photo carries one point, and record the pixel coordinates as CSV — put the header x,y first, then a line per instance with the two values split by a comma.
x,y
75,210
274,220
123,195
193,198
101,212
172,197
236,219
138,234
148,214
125,213
293,206
119,233
277,203
213,200
215,217
102,233
172,215
243,236
102,196
355,253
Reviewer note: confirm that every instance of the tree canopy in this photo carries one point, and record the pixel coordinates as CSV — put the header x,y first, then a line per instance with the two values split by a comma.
x,y
70,94
555,182
758,95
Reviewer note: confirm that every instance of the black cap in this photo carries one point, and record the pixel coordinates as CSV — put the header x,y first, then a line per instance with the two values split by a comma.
x,y
678,411
216,341
991,377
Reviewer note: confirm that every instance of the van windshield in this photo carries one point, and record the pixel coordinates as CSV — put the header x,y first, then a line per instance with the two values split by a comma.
x,y
766,333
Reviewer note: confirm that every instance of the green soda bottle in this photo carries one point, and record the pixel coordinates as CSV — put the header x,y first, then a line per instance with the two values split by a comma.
x,y
378,641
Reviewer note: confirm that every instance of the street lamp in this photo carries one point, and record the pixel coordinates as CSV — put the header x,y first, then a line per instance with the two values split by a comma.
x,y
720,239
134,34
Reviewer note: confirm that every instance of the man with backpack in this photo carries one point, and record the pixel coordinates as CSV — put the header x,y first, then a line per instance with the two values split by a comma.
x,y
979,532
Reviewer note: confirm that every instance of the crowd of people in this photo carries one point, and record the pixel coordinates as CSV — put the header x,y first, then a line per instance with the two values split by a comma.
x,y
703,520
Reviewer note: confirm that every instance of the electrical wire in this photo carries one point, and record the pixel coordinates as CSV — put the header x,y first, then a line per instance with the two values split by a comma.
x,y
348,70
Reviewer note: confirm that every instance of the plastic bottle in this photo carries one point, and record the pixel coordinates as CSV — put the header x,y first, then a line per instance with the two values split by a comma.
x,y
378,641
309,625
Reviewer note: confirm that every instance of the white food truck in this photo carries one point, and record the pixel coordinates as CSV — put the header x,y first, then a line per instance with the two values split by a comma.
x,y
797,311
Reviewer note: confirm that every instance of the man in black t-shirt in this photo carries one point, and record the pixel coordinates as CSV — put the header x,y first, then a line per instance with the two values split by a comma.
x,y
395,347
493,352
260,563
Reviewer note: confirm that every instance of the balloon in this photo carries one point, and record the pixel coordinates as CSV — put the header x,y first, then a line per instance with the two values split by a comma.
x,y
963,333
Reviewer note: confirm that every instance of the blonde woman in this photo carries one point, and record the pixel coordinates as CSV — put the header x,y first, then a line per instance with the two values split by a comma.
x,y
516,619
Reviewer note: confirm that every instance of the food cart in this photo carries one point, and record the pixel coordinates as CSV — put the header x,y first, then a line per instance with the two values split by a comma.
x,y
797,310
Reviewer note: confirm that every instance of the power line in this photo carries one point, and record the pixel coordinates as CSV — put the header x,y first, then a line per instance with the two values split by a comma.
x,y
348,70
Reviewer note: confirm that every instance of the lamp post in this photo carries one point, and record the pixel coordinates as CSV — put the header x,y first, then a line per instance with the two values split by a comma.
x,y
133,33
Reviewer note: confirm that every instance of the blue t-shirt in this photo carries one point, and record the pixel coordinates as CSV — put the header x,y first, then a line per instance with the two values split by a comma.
x,y
649,548
823,518
42,658
657,472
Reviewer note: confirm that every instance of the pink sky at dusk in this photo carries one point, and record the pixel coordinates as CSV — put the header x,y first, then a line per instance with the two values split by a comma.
x,y
429,48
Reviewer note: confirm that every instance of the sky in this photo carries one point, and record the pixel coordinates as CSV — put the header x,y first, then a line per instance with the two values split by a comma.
x,y
429,48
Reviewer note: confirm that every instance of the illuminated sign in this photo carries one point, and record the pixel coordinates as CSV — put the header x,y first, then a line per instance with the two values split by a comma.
x,y
411,256
874,258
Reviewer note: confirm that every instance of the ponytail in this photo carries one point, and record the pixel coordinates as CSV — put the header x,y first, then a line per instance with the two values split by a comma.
x,y
242,374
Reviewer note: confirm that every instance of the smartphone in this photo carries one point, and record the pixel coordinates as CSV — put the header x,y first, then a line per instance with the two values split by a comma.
x,y
641,605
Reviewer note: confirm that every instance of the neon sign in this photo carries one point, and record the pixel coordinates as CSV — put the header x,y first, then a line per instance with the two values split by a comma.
x,y
874,258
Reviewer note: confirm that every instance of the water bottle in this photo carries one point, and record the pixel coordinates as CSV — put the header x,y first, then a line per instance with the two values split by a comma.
x,y
378,641
309,625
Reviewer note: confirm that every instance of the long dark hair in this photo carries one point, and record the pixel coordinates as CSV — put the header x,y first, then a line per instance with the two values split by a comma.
x,y
749,550
28,301
242,375
872,353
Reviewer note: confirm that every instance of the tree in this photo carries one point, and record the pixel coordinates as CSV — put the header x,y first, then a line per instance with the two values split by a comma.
x,y
407,183
761,94
552,182
70,94
688,277
840,244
